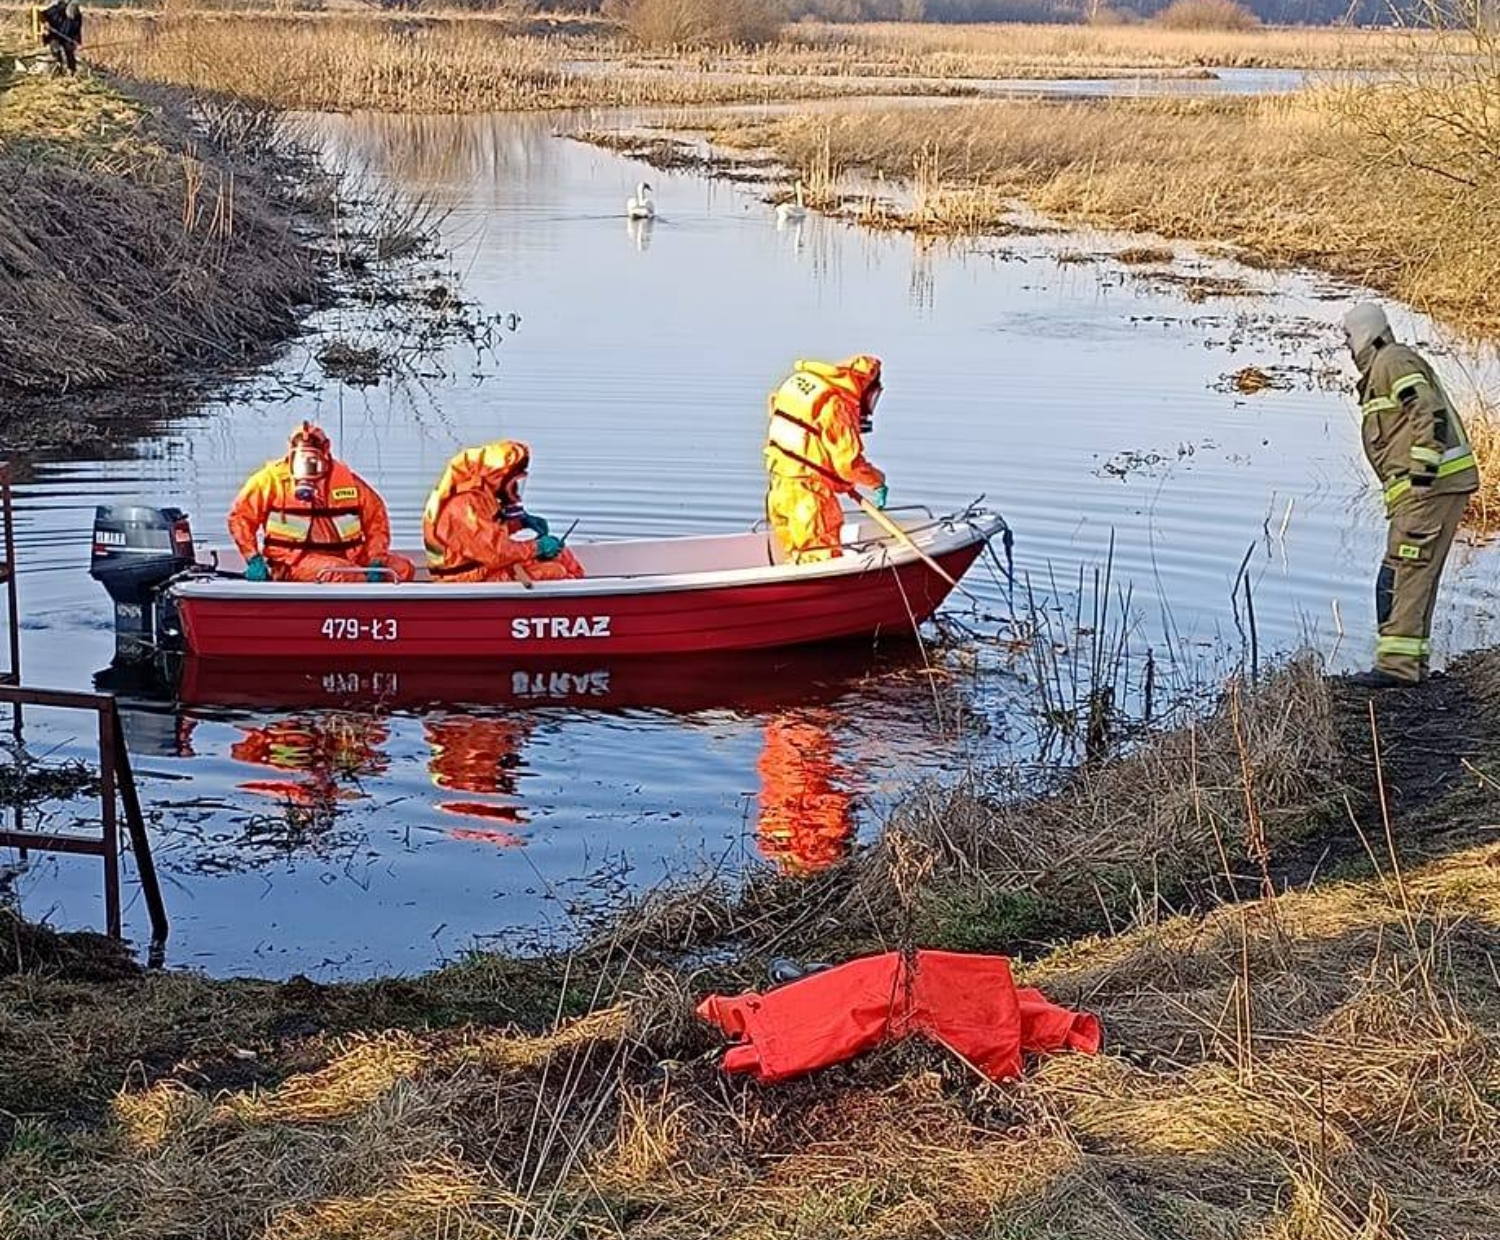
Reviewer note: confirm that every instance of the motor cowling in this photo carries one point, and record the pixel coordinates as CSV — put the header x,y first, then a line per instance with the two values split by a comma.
x,y
136,551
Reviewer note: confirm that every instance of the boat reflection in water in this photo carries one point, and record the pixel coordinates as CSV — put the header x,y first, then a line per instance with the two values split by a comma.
x,y
324,732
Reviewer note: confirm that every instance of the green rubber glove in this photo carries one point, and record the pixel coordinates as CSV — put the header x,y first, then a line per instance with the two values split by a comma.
x,y
882,493
548,547
375,570
256,569
537,525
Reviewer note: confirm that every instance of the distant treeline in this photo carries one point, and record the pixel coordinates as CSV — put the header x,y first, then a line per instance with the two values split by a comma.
x,y
1273,12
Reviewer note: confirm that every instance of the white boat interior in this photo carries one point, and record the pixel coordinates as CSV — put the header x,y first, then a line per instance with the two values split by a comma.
x,y
641,565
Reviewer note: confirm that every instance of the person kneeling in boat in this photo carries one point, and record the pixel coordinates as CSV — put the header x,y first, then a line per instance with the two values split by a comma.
x,y
815,452
474,514
308,517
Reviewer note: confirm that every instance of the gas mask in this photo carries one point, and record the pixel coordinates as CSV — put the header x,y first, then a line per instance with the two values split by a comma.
x,y
867,404
510,495
309,468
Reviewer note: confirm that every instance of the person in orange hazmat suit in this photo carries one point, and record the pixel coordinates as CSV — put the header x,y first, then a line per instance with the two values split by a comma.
x,y
308,517
474,514
815,452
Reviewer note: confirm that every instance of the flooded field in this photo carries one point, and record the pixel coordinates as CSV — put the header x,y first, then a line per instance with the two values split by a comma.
x,y
347,821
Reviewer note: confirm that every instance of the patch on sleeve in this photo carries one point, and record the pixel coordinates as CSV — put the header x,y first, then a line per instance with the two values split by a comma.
x,y
340,493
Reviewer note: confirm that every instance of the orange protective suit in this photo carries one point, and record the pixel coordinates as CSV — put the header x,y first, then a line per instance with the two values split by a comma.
x,y
815,452
314,528
477,755
467,535
968,1003
805,822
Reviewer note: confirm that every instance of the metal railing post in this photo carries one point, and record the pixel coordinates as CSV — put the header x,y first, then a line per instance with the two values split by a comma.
x,y
115,927
135,825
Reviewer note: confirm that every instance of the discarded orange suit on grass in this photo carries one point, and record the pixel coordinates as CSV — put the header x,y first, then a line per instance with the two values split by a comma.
x,y
468,537
314,529
967,1003
815,452
805,822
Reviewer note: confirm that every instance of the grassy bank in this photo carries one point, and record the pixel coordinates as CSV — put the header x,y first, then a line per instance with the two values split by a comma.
x,y
1305,179
1320,1062
137,240
466,62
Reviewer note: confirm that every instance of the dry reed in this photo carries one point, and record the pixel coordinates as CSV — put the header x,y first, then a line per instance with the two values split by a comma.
x,y
1320,1065
135,239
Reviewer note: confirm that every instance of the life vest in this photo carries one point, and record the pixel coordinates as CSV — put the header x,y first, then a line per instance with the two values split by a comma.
x,y
289,523
474,469
794,439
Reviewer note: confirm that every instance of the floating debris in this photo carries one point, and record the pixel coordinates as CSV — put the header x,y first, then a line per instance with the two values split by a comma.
x,y
351,364
1145,256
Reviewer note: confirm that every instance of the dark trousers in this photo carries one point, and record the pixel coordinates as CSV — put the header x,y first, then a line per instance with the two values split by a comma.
x,y
64,53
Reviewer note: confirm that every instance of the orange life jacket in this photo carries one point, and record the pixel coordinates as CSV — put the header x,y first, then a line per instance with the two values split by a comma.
x,y
799,410
289,523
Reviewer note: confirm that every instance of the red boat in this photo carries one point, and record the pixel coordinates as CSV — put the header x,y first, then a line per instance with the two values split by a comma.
x,y
667,596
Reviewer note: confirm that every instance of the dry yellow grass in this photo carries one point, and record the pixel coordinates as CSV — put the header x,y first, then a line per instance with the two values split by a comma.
x,y
997,51
1321,1065
1284,180
456,62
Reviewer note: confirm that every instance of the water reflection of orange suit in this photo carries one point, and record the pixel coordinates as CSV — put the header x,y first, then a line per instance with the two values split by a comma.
x,y
477,754
328,750
806,822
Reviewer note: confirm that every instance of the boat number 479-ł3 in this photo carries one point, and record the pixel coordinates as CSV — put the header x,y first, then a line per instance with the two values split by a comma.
x,y
348,629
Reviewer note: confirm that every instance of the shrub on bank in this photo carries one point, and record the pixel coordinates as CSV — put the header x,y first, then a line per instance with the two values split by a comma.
x,y
697,23
1206,15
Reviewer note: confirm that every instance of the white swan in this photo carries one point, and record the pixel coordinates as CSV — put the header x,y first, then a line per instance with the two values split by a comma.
x,y
642,206
791,212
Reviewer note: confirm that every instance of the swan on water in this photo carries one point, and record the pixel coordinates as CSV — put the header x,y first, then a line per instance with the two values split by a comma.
x,y
790,212
642,206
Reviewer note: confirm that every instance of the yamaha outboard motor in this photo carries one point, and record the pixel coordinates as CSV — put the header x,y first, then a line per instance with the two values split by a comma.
x,y
136,551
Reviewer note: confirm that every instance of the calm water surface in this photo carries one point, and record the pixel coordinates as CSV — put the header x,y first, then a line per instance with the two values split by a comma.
x,y
347,821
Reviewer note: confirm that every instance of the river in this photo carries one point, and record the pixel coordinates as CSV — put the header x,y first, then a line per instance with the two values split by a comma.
x,y
336,823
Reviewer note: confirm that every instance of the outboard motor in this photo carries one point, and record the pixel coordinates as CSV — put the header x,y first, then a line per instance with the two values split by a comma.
x,y
137,550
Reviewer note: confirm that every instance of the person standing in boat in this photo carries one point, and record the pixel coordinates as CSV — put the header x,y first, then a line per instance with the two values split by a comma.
x,y
308,517
815,452
474,513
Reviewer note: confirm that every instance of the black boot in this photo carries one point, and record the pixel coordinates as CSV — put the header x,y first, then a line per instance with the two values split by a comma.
x,y
1377,679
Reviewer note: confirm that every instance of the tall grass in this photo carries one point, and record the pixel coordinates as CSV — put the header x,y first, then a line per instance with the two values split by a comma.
x,y
1317,1065
468,62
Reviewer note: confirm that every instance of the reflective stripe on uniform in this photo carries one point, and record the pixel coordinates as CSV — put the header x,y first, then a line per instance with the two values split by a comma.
x,y
288,527
1410,647
1396,490
1411,380
1409,551
1456,464
1379,404
1426,456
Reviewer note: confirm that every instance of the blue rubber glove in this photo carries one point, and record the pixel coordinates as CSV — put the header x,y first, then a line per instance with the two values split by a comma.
x,y
256,569
375,571
537,525
548,548
882,493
